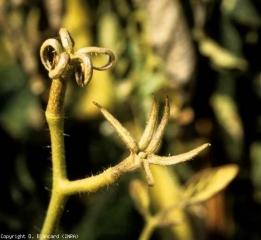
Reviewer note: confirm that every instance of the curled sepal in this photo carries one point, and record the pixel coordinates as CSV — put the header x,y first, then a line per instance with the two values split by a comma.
x,y
67,40
62,67
83,69
98,50
50,52
59,58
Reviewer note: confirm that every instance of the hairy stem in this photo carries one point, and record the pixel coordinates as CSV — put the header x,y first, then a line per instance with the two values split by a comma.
x,y
62,188
54,212
96,182
55,119
56,98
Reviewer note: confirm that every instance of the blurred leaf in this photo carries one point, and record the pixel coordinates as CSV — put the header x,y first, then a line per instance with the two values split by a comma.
x,y
255,154
169,36
227,114
208,182
243,11
219,56
164,195
100,89
110,32
228,117
78,20
21,113
140,195
19,108
54,10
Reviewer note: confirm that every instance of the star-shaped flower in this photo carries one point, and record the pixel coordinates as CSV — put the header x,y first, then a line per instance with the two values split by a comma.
x,y
142,152
59,58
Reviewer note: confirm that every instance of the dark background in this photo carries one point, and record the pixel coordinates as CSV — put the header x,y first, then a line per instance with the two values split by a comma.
x,y
207,60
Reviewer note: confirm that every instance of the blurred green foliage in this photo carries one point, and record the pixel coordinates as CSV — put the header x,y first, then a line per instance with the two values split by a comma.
x,y
203,54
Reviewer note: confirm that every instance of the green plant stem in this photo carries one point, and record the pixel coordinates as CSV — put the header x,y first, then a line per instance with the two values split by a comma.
x,y
94,183
55,119
147,230
54,212
62,188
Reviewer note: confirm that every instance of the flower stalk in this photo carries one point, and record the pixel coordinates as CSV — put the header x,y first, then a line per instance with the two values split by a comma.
x,y
59,58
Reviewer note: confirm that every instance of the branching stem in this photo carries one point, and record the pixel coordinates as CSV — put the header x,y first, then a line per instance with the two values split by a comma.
x,y
147,230
61,61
